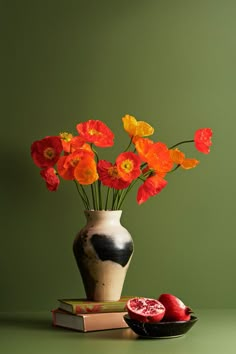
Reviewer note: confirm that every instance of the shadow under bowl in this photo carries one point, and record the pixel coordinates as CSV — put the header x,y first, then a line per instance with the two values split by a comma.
x,y
160,329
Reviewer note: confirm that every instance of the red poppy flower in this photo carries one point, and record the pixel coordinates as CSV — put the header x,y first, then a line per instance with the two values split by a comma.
x,y
78,143
128,166
66,164
46,152
109,175
96,132
151,187
202,140
51,178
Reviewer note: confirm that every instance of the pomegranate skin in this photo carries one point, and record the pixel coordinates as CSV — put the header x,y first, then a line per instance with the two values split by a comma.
x,y
176,310
145,309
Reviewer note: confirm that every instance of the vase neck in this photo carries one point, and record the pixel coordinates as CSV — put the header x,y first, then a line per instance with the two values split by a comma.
x,y
108,216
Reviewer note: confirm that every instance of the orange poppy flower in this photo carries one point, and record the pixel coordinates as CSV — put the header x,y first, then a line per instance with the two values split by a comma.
x,y
143,146
136,128
187,164
202,140
86,171
151,187
109,175
159,159
128,166
178,157
51,178
66,164
156,155
46,152
96,132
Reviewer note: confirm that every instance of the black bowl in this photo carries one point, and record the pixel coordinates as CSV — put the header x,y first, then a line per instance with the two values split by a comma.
x,y
160,329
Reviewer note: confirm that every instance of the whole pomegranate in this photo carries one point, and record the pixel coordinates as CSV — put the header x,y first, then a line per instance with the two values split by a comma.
x,y
176,310
145,309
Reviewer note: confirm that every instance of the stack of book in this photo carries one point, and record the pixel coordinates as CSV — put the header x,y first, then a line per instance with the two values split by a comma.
x,y
85,316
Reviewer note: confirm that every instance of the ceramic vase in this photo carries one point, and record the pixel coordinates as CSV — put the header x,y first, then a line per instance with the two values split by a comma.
x,y
103,250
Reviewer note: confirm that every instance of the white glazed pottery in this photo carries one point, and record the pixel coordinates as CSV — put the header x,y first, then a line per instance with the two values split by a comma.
x,y
103,250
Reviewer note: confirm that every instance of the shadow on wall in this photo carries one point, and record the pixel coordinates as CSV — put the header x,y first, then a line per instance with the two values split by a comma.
x,y
18,182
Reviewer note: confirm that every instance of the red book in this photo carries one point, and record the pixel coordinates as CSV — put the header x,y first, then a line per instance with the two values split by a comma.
x,y
89,322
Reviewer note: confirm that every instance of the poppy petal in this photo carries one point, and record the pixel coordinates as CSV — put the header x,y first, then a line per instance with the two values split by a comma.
x,y
202,140
96,132
51,178
109,175
128,166
85,171
189,163
151,187
46,152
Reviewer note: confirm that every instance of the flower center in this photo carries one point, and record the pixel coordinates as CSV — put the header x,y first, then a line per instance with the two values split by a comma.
x,y
94,132
66,136
49,153
112,171
127,165
74,161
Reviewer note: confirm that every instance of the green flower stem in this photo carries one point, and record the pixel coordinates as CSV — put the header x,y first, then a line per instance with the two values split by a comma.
x,y
119,197
174,169
115,194
93,197
99,195
144,164
123,195
182,142
107,197
85,196
84,200
130,142
95,152
96,188
147,174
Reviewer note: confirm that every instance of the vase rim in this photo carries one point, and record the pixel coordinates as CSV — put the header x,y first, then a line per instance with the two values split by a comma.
x,y
102,211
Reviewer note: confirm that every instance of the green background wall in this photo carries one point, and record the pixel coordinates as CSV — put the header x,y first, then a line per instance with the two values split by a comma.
x,y
171,63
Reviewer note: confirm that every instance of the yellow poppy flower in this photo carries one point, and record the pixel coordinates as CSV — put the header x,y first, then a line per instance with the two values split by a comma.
x,y
136,128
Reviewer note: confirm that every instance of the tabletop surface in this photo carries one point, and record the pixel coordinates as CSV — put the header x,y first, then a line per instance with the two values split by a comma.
x,y
33,333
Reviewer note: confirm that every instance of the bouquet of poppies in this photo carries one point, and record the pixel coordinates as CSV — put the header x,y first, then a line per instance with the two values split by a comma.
x,y
104,185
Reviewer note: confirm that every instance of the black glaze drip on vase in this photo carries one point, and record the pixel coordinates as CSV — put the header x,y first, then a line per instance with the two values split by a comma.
x,y
80,256
108,250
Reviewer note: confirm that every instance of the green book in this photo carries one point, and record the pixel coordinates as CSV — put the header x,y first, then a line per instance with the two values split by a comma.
x,y
78,306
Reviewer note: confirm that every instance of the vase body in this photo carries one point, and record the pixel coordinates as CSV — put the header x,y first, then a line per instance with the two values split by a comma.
x,y
103,250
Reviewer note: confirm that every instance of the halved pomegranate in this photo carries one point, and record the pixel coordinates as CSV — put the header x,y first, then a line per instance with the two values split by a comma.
x,y
145,309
